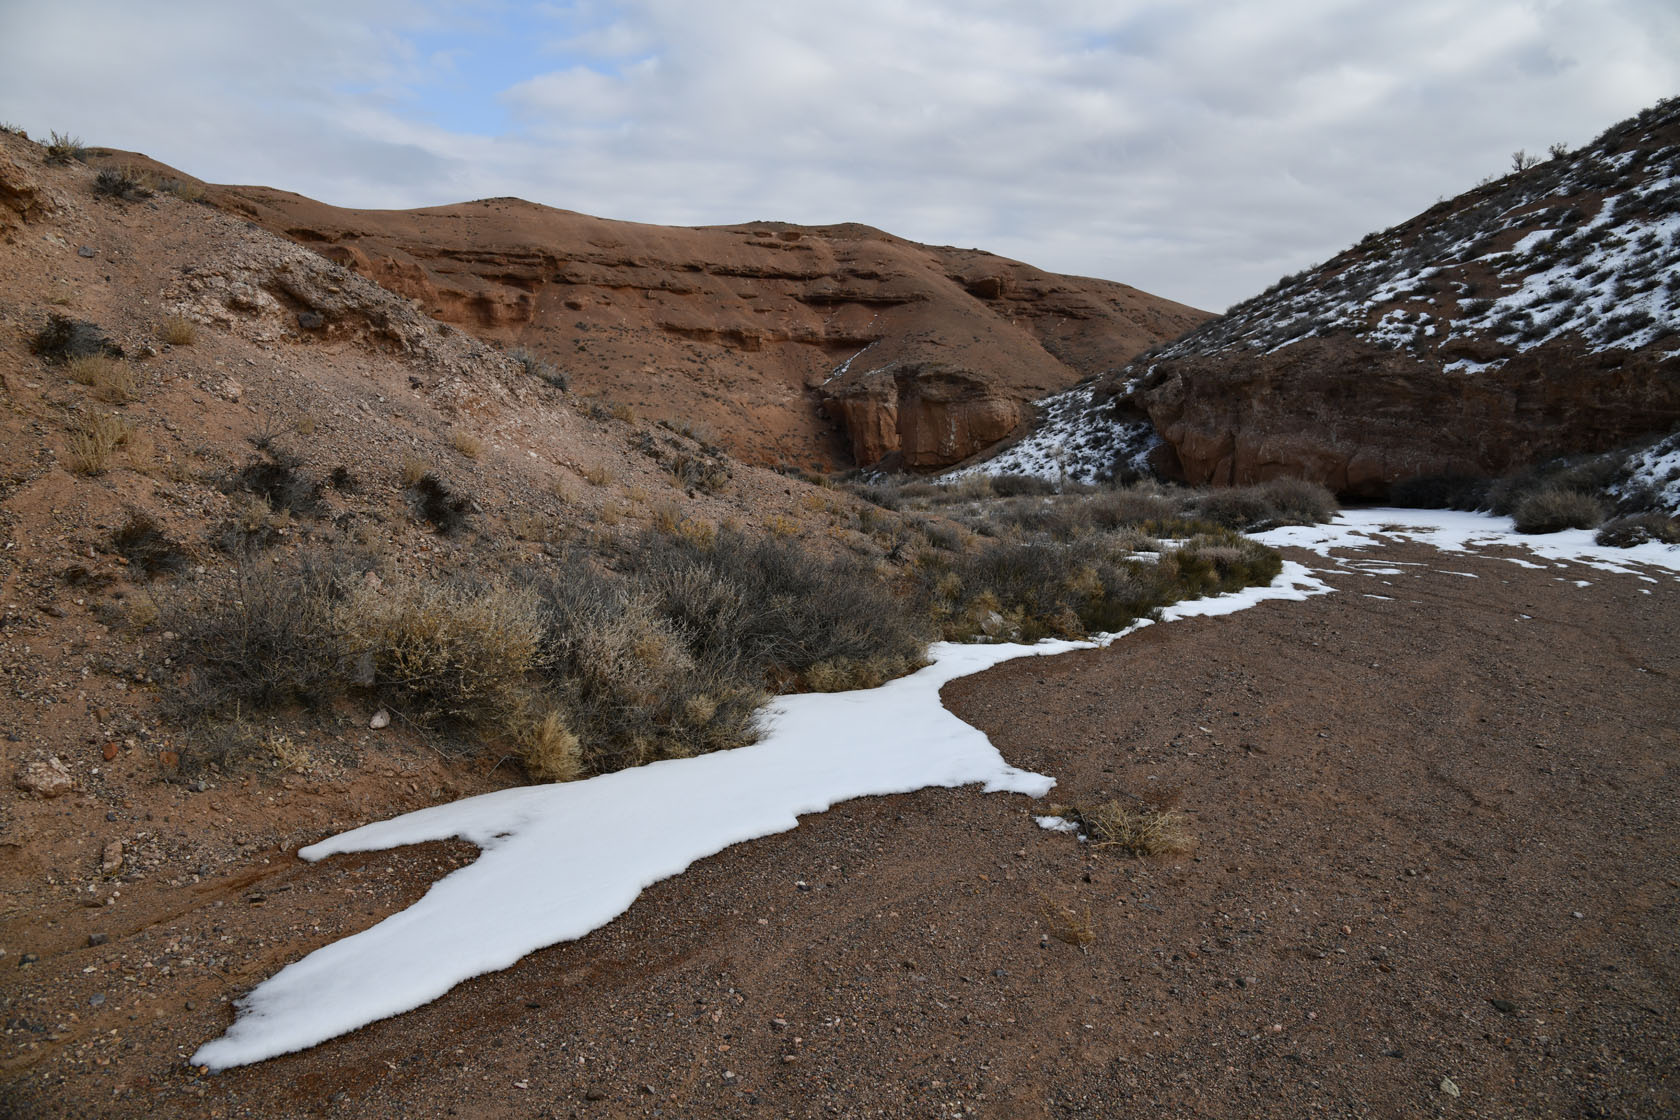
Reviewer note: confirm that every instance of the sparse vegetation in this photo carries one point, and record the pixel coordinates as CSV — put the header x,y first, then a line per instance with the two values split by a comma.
x,y
1553,508
1138,832
64,339
539,368
466,443
122,183
62,148
437,505
1637,529
111,379
143,543
177,330
88,449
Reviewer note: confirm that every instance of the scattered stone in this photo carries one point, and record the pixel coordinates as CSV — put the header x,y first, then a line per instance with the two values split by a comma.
x,y
231,390
97,939
311,320
86,252
381,719
46,778
1448,1087
111,857
594,1095
97,999
778,1024
1503,1006
28,958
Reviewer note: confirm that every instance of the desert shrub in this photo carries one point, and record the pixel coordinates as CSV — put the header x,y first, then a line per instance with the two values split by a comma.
x,y
88,449
466,443
635,686
1295,501
437,505
1239,508
278,480
1553,508
445,654
1020,485
109,378
1136,832
177,331
64,339
782,611
1131,505
62,148
1279,501
121,183
706,473
539,368
1441,491
142,542
265,638
1626,532
1044,588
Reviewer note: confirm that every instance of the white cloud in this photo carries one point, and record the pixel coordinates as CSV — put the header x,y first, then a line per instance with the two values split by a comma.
x,y
1197,149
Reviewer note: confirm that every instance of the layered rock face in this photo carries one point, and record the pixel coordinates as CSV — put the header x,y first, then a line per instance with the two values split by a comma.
x,y
1533,317
823,346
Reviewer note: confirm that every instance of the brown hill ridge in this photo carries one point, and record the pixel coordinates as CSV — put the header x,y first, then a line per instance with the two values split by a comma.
x,y
821,346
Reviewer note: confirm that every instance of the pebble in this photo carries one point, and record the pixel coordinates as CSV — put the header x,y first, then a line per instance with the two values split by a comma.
x,y
1448,1087
97,939
381,719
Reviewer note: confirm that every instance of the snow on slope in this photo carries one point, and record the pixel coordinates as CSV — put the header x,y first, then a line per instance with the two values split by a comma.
x,y
1078,439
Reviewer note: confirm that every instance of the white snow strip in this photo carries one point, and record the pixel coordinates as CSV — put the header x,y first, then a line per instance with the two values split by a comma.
x,y
562,860
1457,531
1056,824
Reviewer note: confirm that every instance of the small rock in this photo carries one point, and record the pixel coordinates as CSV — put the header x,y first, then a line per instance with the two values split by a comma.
x,y
1448,1087
594,1095
86,252
48,778
110,750
28,958
778,1024
1576,914
380,719
231,390
1503,1006
111,857
97,939
311,320
97,999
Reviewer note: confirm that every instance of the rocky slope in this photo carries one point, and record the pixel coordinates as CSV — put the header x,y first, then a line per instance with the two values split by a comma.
x,y
814,346
1534,316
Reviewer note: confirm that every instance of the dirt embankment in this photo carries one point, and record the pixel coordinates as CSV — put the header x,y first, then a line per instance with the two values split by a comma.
x,y
1435,874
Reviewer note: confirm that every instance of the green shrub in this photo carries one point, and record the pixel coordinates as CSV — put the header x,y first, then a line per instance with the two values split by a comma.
x,y
1553,508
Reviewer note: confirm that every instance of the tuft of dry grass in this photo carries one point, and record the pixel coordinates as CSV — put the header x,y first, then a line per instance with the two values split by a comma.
x,y
109,378
1067,925
598,475
1137,832
622,412
533,527
548,748
304,425
90,447
560,490
178,331
63,148
778,526
413,469
466,443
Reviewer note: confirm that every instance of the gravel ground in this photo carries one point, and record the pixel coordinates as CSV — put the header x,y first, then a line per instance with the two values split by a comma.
x,y
1434,874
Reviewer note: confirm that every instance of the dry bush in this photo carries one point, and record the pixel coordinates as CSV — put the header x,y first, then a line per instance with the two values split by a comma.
x,y
437,505
1136,832
304,425
110,378
62,149
779,526
466,443
547,747
620,411
597,475
178,331
1067,925
1626,532
445,654
123,183
413,469
1553,508
533,527
142,542
708,474
88,450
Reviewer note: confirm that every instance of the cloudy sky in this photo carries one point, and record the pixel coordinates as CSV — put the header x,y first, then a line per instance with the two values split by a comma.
x,y
1198,149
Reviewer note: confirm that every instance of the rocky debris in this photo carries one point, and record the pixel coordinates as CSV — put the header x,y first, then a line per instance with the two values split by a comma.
x,y
46,777
929,414
23,196
111,857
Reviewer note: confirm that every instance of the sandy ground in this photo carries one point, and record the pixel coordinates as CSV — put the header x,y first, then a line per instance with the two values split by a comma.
x,y
1435,874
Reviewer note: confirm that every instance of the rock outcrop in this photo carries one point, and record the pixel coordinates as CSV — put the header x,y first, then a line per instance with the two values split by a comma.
x,y
1533,317
821,346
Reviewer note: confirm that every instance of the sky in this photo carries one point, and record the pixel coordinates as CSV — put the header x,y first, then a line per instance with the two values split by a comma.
x,y
1197,149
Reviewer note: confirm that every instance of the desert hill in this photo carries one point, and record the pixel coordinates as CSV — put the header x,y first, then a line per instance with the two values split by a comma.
x,y
1534,316
812,346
